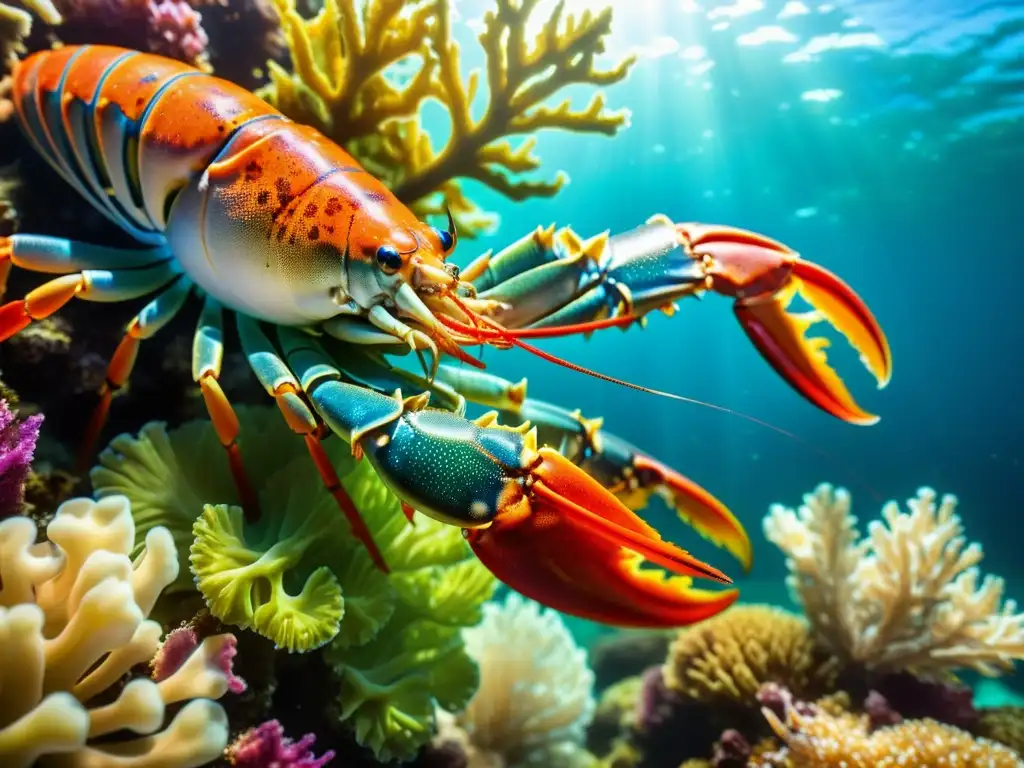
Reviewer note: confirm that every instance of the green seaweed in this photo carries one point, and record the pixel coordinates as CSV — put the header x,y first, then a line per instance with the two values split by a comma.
x,y
298,576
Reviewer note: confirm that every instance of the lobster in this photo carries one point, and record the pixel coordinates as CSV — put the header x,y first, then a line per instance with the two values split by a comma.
x,y
333,283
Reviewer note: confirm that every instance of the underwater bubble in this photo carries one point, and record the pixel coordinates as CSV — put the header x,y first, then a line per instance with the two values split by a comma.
x,y
821,94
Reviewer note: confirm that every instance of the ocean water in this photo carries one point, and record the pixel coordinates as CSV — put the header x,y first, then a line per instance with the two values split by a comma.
x,y
881,140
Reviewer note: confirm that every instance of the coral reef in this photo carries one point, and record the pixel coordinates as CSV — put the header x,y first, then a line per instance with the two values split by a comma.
x,y
298,576
907,596
1005,725
815,737
947,701
9,181
73,622
344,85
244,36
535,699
267,747
17,446
16,25
615,713
727,658
627,653
731,750
167,27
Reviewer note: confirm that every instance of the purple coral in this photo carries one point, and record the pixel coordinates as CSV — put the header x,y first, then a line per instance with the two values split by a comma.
x,y
657,705
779,700
17,446
880,712
266,747
732,750
168,27
914,698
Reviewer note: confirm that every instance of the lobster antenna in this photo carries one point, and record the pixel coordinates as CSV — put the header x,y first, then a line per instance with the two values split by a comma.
x,y
496,331
640,388
515,338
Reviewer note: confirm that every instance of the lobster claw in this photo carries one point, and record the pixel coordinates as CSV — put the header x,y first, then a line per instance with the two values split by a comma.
x,y
764,276
567,542
695,505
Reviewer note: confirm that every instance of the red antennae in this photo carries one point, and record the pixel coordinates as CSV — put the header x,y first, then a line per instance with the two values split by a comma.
x,y
555,331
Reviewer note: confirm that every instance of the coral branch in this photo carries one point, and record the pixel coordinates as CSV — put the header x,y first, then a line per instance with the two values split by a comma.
x,y
73,623
17,447
345,83
339,59
906,597
520,78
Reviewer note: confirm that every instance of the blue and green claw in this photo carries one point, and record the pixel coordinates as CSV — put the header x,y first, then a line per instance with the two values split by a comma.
x,y
541,524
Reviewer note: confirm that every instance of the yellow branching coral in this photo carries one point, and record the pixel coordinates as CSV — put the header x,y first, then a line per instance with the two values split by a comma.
x,y
535,699
729,657
343,85
73,623
821,740
907,596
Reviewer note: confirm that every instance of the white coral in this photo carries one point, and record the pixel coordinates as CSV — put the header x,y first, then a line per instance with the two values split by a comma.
x,y
907,596
536,694
73,622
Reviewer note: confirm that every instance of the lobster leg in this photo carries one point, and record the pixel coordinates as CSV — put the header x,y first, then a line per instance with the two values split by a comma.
x,y
90,285
282,385
154,316
56,255
552,278
627,472
93,273
535,519
207,357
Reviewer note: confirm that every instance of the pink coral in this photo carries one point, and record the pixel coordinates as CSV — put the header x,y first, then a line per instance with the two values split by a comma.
x,y
225,661
177,646
181,643
266,747
176,30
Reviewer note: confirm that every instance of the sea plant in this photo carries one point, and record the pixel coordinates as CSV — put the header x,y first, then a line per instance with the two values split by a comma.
x,y
298,577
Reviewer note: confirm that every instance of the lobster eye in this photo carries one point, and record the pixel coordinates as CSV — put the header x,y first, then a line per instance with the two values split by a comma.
x,y
389,258
447,241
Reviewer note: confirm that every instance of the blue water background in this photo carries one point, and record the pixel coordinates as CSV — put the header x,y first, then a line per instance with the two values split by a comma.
x,y
881,140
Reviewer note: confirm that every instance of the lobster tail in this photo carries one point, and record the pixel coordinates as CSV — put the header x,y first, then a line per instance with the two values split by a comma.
x,y
126,129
